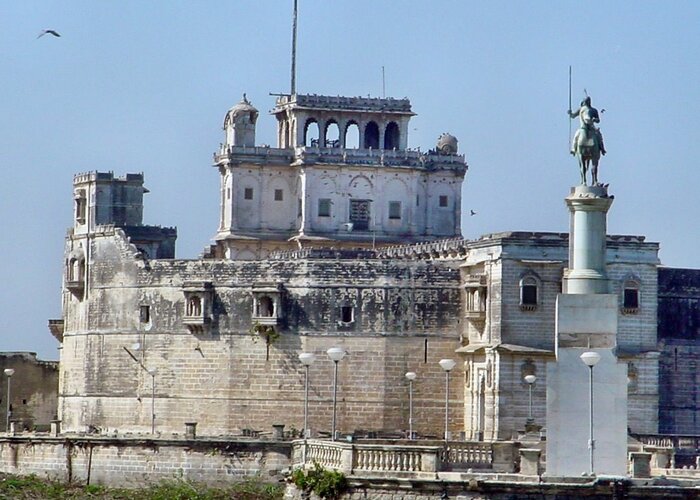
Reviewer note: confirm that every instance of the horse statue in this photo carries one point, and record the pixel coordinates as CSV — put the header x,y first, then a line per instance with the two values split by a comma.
x,y
588,141
587,151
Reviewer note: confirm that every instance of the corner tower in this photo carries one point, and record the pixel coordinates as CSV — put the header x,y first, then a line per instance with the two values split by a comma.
x,y
342,175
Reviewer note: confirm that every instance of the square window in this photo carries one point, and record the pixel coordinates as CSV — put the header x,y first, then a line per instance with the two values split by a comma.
x,y
443,200
394,209
144,314
248,193
279,195
324,207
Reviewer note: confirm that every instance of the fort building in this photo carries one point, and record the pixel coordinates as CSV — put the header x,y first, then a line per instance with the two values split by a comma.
x,y
341,236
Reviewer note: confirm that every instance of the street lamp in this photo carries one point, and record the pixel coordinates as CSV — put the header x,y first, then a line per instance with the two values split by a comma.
x,y
336,354
447,365
530,380
152,373
306,358
410,376
590,358
9,372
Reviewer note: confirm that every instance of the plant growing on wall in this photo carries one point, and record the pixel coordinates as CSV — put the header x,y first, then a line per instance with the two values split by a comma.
x,y
325,483
267,332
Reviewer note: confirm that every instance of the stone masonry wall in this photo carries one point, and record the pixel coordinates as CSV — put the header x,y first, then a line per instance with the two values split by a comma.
x,y
229,379
34,390
679,338
133,462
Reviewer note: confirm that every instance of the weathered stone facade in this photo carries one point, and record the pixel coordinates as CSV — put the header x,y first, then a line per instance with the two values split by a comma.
x,y
679,338
33,391
303,262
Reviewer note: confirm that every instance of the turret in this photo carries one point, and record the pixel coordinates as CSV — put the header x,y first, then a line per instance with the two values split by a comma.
x,y
239,124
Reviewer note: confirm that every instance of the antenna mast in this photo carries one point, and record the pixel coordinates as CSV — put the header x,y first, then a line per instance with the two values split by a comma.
x,y
294,50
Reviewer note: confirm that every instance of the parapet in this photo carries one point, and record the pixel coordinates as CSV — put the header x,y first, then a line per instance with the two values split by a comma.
x,y
334,103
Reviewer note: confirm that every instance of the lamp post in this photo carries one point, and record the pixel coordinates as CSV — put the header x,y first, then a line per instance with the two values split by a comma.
x,y
306,359
447,365
336,354
152,373
410,376
530,380
9,372
590,358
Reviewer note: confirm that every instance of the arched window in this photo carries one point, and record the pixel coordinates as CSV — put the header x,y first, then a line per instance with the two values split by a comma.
x,y
371,136
194,306
529,292
266,307
631,295
391,136
80,206
352,136
311,133
332,135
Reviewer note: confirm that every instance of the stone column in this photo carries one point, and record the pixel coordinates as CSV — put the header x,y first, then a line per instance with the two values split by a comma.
x,y
588,206
586,320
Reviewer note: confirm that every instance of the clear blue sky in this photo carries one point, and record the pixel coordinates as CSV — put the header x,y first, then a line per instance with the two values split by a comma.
x,y
143,86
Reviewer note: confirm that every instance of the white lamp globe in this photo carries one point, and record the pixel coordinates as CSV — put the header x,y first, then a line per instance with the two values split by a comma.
x,y
530,379
336,353
411,376
9,371
591,358
307,358
447,364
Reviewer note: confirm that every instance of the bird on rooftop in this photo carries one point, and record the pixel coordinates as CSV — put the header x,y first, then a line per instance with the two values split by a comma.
x,y
472,212
49,32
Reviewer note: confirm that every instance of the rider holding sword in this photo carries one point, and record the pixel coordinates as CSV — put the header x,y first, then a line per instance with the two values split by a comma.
x,y
589,117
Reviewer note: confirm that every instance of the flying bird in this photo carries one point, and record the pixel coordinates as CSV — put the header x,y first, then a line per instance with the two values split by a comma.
x,y
49,32
472,213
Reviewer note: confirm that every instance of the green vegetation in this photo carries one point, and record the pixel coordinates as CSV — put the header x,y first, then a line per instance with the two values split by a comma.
x,y
267,332
34,488
325,483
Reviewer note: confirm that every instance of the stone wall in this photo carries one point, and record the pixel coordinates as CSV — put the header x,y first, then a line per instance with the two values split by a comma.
x,y
228,379
679,337
34,390
129,462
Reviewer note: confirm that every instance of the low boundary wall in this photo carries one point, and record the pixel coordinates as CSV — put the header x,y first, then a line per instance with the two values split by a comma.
x,y
132,462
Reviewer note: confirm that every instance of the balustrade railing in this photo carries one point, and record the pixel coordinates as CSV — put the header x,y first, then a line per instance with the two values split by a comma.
x,y
467,454
381,458
327,454
394,457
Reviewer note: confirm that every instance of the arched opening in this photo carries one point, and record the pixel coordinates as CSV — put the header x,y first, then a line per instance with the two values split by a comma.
x,y
265,307
194,306
528,293
311,133
391,136
332,135
352,136
371,136
71,269
630,296
287,141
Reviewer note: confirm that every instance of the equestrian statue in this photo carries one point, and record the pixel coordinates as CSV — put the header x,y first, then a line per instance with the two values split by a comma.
x,y
587,144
